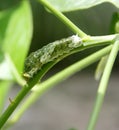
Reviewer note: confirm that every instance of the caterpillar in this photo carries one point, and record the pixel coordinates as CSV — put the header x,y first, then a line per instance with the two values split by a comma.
x,y
48,53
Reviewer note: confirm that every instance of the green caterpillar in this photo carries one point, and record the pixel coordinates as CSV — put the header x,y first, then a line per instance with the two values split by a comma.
x,y
54,50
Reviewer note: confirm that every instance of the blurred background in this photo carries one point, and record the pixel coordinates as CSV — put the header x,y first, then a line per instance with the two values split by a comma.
x,y
70,103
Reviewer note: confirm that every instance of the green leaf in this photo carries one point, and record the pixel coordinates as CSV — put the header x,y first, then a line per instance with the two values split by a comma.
x,y
114,28
4,20
16,33
71,5
4,88
1,56
5,70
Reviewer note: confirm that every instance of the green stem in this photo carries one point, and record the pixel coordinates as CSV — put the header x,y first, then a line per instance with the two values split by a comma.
x,y
27,87
12,106
103,85
63,18
43,87
100,40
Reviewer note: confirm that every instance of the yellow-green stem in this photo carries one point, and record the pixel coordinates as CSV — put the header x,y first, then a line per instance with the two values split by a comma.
x,y
63,18
103,86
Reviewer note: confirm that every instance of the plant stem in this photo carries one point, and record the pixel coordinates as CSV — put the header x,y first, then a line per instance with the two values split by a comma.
x,y
27,87
103,86
12,106
63,18
43,87
100,40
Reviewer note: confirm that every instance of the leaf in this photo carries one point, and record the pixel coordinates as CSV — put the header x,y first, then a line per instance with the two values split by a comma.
x,y
5,70
4,20
71,5
114,27
16,33
4,88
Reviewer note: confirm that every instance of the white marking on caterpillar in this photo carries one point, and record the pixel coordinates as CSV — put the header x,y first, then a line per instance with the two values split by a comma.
x,y
75,41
